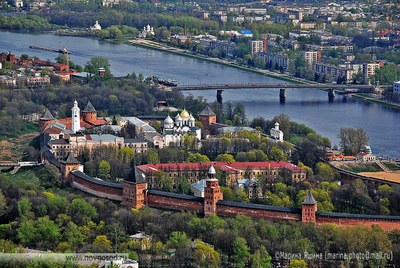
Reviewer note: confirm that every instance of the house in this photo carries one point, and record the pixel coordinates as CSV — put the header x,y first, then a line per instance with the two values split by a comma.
x,y
365,157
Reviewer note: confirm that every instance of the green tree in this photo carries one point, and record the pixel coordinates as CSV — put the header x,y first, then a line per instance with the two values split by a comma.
x,y
3,204
352,140
27,233
48,232
325,172
82,212
104,169
225,158
152,157
241,252
297,263
261,258
101,244
96,62
206,256
197,158
277,154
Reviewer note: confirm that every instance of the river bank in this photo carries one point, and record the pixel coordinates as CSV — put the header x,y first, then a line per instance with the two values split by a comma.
x,y
285,77
183,52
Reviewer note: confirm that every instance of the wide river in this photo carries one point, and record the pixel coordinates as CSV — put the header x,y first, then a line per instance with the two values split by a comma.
x,y
308,106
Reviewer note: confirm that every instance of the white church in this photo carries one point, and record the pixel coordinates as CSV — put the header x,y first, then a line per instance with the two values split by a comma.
x,y
276,133
184,124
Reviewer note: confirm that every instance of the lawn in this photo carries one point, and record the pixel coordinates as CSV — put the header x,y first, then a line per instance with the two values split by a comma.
x,y
357,168
392,166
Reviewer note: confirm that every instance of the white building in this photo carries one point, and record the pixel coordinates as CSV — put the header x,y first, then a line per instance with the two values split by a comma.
x,y
96,26
277,60
147,31
184,124
76,121
310,57
276,133
369,70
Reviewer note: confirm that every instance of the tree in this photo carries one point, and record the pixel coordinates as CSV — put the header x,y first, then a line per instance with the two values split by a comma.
x,y
104,169
352,140
225,158
181,243
197,158
261,258
82,212
50,176
48,233
297,263
101,244
152,157
277,154
3,204
241,252
324,172
206,256
96,62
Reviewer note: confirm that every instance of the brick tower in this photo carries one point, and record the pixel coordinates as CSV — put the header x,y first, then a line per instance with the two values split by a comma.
x,y
212,193
309,208
207,117
69,165
89,114
46,119
134,191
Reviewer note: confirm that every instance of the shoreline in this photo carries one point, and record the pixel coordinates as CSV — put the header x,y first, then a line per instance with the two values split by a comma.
x,y
284,77
186,53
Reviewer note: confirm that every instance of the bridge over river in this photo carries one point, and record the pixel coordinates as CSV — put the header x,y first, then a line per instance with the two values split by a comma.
x,y
353,88
331,88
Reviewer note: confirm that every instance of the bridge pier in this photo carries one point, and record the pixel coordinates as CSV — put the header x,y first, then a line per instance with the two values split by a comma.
x,y
282,95
331,95
220,94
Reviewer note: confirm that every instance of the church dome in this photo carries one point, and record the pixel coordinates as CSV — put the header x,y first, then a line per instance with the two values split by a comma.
x,y
212,170
178,118
185,114
168,120
191,118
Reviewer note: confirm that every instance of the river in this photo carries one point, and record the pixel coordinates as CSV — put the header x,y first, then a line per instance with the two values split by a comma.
x,y
307,106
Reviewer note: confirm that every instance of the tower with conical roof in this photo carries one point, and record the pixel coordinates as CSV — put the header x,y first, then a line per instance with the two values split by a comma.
x,y
207,117
69,165
309,208
46,119
134,190
76,118
89,114
212,193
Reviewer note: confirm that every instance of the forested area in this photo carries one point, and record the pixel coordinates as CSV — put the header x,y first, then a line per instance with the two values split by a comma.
x,y
42,214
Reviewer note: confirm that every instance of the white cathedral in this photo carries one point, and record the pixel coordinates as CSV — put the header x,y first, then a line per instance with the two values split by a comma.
x,y
184,124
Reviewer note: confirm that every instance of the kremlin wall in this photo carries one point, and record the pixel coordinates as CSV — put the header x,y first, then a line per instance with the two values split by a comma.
x,y
136,194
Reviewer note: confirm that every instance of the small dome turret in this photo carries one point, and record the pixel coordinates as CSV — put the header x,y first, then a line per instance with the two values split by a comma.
x,y
185,114
168,120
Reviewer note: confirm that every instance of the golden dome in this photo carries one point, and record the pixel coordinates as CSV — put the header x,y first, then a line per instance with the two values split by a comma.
x,y
185,114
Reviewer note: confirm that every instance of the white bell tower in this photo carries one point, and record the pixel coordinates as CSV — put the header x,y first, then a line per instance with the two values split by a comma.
x,y
76,120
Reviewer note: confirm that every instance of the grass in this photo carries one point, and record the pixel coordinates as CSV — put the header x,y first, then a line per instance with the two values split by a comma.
x,y
357,168
392,166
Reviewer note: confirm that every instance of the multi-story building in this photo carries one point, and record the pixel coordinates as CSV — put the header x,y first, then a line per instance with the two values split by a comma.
x,y
311,57
334,72
226,46
369,70
258,46
230,172
396,89
184,124
277,60
37,81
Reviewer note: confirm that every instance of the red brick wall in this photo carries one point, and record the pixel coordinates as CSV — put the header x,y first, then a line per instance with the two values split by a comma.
x,y
229,211
167,202
385,225
99,190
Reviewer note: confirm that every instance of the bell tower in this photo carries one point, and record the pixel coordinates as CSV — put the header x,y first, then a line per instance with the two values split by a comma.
x,y
76,120
212,193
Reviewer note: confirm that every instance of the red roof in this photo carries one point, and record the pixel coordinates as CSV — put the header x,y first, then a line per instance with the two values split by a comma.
x,y
68,123
226,167
53,130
